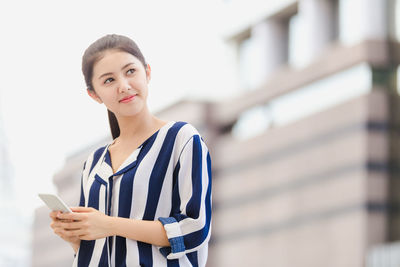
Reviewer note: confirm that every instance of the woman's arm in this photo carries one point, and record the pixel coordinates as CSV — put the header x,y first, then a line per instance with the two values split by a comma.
x,y
151,232
91,224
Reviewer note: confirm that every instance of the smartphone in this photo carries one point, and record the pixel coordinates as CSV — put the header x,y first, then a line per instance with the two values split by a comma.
x,y
55,203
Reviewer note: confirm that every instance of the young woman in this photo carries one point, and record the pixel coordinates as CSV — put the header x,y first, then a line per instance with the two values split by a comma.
x,y
146,196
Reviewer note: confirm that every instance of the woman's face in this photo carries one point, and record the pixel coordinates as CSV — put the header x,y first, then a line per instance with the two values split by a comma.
x,y
120,82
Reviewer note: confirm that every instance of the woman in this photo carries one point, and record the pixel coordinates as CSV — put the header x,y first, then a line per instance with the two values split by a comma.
x,y
146,196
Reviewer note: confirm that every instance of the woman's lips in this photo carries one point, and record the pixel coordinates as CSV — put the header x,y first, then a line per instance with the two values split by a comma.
x,y
127,99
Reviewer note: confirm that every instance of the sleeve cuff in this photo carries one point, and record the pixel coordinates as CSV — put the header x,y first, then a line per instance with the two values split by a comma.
x,y
175,238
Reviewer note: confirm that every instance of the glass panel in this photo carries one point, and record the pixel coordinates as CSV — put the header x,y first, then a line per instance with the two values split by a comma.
x,y
252,122
350,20
398,79
297,49
322,94
305,101
397,20
246,63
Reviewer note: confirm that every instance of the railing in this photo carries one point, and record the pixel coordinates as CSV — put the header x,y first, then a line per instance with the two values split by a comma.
x,y
386,255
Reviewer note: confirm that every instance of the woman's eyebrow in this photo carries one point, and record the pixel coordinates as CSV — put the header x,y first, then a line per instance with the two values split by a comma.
x,y
109,73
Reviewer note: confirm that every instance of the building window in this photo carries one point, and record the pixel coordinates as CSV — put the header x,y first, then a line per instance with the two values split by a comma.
x,y
396,20
350,19
305,101
361,20
398,79
296,46
252,122
245,61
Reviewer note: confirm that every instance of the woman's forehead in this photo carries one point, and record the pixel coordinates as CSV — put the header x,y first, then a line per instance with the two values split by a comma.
x,y
113,60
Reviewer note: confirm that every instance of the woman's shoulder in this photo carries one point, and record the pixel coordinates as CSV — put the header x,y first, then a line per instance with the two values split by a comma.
x,y
184,130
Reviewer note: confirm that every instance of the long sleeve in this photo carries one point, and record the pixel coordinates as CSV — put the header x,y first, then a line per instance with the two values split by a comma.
x,y
189,226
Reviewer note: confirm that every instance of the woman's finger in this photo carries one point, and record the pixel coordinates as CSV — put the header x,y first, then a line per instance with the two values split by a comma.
x,y
71,225
53,215
82,209
73,216
74,233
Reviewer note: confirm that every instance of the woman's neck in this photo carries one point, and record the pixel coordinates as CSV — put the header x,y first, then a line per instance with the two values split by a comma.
x,y
141,125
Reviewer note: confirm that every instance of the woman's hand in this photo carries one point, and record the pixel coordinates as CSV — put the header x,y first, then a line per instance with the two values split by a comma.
x,y
85,223
56,225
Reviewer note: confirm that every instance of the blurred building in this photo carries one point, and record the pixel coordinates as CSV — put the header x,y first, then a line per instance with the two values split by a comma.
x,y
305,154
13,229
306,159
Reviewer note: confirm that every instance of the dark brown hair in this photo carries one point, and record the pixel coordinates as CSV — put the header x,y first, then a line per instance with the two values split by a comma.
x,y
96,51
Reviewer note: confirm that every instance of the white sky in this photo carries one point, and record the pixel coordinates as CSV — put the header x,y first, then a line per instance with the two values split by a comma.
x,y
46,112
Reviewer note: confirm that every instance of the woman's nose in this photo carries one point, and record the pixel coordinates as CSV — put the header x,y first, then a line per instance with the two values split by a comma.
x,y
123,86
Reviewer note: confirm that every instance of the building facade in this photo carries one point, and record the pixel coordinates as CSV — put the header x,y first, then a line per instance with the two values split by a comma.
x,y
306,155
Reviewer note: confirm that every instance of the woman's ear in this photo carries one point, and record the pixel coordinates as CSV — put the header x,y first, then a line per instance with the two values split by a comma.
x,y
93,95
148,72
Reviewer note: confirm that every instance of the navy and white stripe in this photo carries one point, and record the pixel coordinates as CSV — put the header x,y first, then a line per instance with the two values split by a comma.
x,y
168,178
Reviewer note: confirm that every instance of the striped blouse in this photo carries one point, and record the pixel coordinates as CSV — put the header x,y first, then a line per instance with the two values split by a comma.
x,y
167,178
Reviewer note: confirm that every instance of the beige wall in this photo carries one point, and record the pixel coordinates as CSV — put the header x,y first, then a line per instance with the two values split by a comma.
x,y
302,190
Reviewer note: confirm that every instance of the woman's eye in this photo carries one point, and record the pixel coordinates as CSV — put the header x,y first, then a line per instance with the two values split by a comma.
x,y
130,71
109,80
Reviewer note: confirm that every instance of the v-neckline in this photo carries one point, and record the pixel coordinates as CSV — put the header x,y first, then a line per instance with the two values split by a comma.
x,y
124,163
